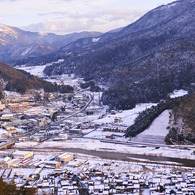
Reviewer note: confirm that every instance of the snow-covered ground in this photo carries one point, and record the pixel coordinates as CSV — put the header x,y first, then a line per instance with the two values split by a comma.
x,y
157,131
127,116
25,144
101,146
37,70
178,93
95,39
12,94
34,70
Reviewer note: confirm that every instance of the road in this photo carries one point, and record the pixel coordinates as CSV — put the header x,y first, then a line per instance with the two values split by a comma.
x,y
57,123
81,110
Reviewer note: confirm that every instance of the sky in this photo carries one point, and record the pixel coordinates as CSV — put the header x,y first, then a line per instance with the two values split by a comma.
x,y
68,16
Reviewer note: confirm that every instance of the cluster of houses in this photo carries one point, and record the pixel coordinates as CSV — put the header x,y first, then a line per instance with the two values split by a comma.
x,y
115,128
65,174
20,114
23,116
25,159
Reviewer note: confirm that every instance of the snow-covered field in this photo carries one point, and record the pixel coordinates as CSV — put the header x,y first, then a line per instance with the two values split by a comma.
x,y
34,70
127,116
157,131
37,70
63,79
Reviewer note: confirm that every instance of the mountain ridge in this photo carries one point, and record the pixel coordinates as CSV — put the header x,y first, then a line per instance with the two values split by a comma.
x,y
159,47
143,62
17,40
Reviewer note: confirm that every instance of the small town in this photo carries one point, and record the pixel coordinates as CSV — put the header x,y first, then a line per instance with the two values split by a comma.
x,y
40,137
97,97
75,174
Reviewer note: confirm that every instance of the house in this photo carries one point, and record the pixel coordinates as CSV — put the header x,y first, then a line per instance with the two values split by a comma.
x,y
43,122
2,106
74,164
65,157
22,154
11,162
76,131
54,164
7,117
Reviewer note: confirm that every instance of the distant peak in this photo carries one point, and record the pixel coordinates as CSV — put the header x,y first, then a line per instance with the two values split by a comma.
x,y
43,34
2,26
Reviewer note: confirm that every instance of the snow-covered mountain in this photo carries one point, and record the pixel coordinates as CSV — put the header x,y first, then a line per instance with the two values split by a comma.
x,y
19,44
143,62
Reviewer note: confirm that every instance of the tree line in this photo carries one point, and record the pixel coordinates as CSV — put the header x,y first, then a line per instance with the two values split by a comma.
x,y
145,118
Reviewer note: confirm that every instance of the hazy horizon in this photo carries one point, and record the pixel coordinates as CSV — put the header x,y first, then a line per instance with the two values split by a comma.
x,y
68,16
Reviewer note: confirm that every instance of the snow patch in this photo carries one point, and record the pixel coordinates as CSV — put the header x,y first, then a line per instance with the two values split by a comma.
x,y
59,61
166,6
95,40
26,51
171,5
43,34
178,93
34,70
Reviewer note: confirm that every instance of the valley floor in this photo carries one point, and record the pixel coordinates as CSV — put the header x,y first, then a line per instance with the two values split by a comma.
x,y
97,139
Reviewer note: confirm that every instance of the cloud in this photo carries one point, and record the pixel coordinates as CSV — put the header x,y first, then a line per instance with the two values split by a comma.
x,y
8,0
113,14
124,14
102,21
56,13
60,26
65,16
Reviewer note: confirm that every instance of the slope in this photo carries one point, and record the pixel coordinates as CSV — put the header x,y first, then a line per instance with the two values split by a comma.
x,y
14,42
143,62
21,81
182,126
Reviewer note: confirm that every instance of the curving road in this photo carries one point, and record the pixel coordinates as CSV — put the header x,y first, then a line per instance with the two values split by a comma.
x,y
81,110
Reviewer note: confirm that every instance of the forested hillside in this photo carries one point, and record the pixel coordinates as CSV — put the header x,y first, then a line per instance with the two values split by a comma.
x,y
141,63
21,81
182,122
